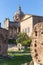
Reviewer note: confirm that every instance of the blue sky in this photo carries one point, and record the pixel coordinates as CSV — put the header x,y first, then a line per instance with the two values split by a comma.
x,y
9,7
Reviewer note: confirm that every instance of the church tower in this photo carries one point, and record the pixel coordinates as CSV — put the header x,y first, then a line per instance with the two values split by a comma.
x,y
18,15
6,23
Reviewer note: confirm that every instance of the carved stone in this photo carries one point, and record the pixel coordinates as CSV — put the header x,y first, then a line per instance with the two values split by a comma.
x,y
3,41
37,43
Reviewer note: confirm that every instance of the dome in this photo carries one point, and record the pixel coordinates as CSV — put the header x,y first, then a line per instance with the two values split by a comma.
x,y
19,14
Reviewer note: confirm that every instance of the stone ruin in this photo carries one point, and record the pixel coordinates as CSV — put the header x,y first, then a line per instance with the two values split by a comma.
x,y
3,41
37,43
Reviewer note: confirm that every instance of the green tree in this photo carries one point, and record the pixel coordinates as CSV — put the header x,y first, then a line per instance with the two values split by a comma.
x,y
23,39
11,41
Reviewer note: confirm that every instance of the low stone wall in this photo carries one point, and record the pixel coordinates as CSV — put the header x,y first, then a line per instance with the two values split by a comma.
x,y
12,47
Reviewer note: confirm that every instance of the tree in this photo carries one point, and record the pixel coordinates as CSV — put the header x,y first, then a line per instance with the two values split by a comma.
x,y
23,39
11,41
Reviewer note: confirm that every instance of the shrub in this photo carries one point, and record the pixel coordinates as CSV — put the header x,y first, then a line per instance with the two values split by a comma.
x,y
23,39
11,41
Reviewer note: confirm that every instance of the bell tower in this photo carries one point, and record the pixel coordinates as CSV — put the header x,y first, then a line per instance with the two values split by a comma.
x,y
6,23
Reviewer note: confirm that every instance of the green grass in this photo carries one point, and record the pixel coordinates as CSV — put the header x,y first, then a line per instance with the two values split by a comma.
x,y
27,50
17,60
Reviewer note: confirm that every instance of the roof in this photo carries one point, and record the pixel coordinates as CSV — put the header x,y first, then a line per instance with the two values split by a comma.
x,y
14,24
19,11
27,16
3,29
33,15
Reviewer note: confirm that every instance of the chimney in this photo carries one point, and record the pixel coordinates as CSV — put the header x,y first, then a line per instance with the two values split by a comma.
x,y
0,25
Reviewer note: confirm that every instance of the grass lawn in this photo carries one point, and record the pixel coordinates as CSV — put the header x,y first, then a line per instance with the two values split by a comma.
x,y
17,60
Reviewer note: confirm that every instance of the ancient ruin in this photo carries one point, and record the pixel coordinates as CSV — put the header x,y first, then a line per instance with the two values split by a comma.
x,y
37,43
3,42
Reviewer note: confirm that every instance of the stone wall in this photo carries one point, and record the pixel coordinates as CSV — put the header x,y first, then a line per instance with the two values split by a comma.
x,y
3,41
37,43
